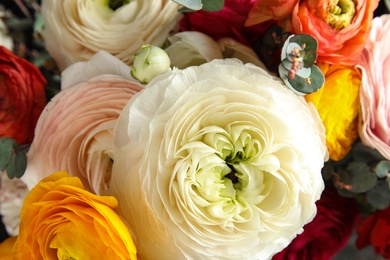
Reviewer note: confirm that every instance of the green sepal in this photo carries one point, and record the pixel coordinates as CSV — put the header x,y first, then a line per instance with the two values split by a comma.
x,y
6,149
17,165
310,50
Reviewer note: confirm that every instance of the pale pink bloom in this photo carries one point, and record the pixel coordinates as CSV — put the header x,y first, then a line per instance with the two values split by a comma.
x,y
74,132
374,120
12,194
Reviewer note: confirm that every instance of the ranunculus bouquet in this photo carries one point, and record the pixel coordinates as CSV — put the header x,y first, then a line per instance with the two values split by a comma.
x,y
172,129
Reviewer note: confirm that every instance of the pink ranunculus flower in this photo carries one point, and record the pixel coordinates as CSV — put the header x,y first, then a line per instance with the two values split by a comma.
x,y
74,132
374,118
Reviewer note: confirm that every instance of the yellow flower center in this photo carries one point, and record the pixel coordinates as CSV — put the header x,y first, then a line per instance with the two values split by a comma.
x,y
340,13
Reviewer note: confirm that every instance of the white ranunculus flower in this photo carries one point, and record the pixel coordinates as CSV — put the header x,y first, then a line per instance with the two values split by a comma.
x,y
5,39
75,30
215,162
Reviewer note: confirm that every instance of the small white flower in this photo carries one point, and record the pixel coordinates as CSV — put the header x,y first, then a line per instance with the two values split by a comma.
x,y
149,62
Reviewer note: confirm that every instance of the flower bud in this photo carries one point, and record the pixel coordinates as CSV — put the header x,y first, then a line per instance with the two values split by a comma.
x,y
149,62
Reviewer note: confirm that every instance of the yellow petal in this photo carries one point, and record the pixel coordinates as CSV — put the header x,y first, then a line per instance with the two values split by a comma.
x,y
338,104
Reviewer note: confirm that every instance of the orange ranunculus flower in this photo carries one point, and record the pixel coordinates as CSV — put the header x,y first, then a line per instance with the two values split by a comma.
x,y
340,27
338,104
6,248
265,10
60,219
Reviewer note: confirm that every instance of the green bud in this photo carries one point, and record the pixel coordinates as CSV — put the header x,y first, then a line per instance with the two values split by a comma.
x,y
149,62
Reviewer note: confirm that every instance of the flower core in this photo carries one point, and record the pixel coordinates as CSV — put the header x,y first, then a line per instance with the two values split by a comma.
x,y
340,13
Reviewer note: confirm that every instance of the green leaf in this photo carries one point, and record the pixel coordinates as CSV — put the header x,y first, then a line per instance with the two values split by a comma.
x,y
362,178
363,153
309,45
212,5
6,148
17,165
379,196
190,4
382,169
301,85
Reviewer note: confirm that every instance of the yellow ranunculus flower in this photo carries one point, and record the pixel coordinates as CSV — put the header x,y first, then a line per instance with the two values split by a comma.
x,y
60,219
338,104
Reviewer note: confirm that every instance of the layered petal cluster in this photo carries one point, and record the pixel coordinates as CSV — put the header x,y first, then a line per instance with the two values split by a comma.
x,y
374,117
22,96
337,103
195,48
217,161
61,220
75,30
75,131
341,27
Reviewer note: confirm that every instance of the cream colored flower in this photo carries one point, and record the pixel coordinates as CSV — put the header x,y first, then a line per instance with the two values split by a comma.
x,y
217,161
192,48
12,194
75,30
75,131
5,39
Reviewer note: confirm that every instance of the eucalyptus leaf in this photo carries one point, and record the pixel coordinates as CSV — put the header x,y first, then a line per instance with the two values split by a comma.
x,y
308,85
212,5
6,149
382,169
309,47
363,153
379,195
190,4
362,178
345,178
17,165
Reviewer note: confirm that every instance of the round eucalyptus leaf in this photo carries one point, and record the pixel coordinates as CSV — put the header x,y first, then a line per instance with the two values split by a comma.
x,y
17,165
190,4
6,149
363,178
308,85
309,46
379,195
212,6
363,153
382,169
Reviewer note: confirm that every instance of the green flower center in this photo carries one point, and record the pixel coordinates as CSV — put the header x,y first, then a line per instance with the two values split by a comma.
x,y
115,4
340,13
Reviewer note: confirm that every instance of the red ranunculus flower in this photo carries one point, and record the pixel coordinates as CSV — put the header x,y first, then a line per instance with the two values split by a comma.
x,y
327,233
375,231
228,22
22,97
